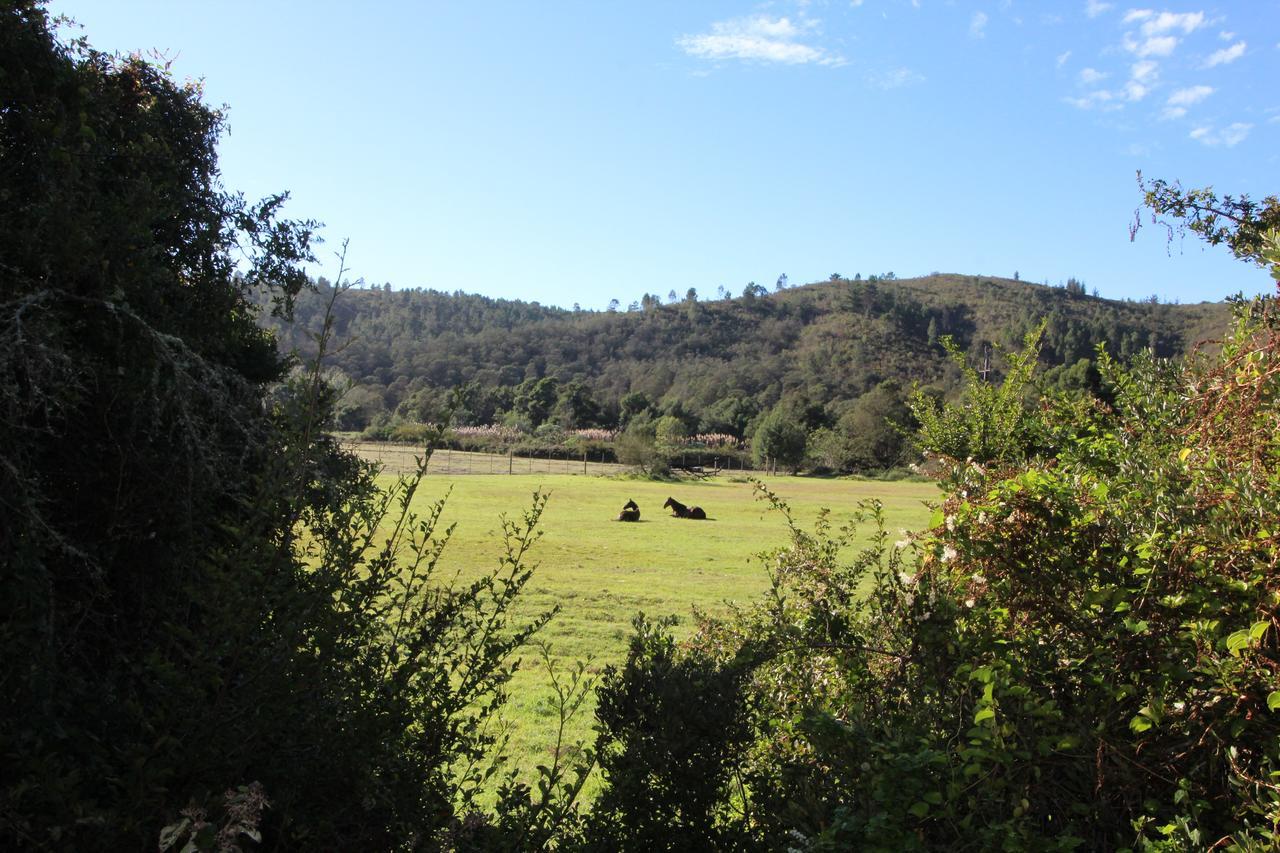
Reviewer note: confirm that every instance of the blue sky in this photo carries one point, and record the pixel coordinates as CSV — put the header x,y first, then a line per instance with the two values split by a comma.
x,y
581,151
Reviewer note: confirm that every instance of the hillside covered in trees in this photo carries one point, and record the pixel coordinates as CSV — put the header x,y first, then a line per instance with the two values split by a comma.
x,y
717,367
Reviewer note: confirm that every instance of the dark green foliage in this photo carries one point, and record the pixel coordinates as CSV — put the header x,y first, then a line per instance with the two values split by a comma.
x,y
780,439
1080,654
672,725
199,593
727,360
871,435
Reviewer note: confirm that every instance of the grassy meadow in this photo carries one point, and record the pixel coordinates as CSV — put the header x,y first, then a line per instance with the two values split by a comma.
x,y
601,572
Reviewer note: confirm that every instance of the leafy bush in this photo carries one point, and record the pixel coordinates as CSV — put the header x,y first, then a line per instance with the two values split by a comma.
x,y
199,592
1081,653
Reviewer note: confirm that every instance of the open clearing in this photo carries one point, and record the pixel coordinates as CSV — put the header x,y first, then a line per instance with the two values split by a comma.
x,y
601,572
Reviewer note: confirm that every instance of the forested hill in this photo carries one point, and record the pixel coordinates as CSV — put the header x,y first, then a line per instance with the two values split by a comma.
x,y
718,363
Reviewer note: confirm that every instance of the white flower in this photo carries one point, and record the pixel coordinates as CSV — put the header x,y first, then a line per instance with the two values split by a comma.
x,y
948,554
906,578
951,523
969,602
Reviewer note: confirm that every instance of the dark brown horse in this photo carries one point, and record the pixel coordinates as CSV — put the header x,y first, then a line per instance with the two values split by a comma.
x,y
679,510
630,512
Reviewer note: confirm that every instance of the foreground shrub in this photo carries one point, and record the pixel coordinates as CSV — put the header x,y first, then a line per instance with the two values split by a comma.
x,y
1081,653
213,621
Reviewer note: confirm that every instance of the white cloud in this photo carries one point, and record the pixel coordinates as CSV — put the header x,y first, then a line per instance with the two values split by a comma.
x,y
1229,136
1226,36
1154,46
978,25
1100,99
1154,24
1187,97
1144,71
1226,55
1142,76
758,38
1063,57
1158,30
1094,8
1135,91
1177,103
895,79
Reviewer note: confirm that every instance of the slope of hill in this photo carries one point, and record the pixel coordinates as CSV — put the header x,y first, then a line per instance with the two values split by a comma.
x,y
714,364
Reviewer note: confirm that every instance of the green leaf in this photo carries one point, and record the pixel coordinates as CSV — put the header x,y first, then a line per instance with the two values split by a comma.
x,y
1183,454
933,798
919,809
1273,700
171,833
1139,723
1237,642
985,714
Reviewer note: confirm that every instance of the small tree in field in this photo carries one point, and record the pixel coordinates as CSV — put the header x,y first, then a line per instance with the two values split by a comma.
x,y
779,440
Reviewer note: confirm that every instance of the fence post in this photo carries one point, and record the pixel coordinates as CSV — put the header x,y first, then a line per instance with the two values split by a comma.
x,y
511,456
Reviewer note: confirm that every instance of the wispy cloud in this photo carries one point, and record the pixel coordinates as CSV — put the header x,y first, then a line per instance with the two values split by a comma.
x,y
1226,55
1176,105
1143,74
895,78
1155,23
1099,99
978,25
1228,137
1157,30
1094,8
1063,57
1191,95
759,38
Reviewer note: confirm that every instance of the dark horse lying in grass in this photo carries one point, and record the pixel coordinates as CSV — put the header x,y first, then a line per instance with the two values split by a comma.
x,y
679,510
630,512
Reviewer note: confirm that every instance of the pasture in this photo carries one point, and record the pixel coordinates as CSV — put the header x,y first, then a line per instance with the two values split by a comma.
x,y
601,572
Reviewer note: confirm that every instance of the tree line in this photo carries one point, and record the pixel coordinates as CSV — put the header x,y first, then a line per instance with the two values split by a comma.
x,y
836,358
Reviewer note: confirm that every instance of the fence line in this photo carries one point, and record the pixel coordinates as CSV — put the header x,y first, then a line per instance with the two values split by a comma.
x,y
402,459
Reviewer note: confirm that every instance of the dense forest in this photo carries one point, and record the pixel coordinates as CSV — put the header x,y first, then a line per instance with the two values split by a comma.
x,y
825,343
837,357
220,633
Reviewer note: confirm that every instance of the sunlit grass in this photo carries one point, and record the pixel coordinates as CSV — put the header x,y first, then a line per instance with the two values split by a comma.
x,y
601,572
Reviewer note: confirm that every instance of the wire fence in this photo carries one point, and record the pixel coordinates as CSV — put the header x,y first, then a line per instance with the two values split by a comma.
x,y
402,459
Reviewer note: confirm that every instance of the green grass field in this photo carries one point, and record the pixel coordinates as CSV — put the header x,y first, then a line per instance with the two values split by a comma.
x,y
602,572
